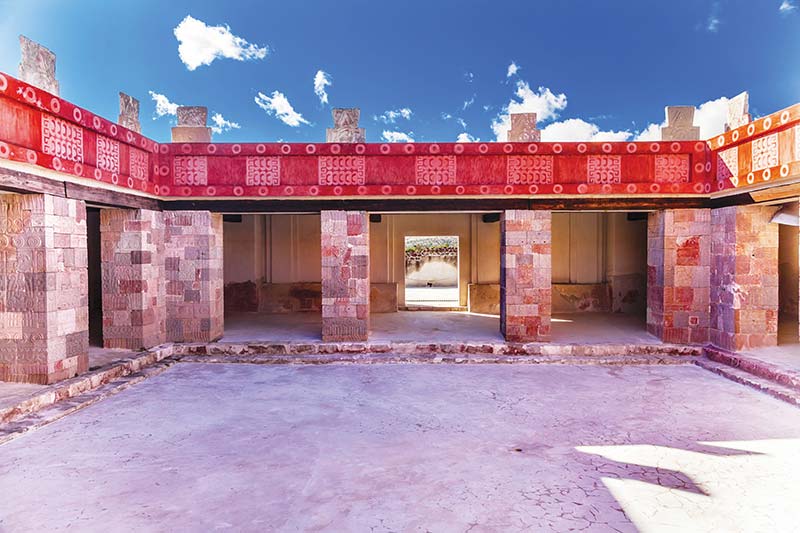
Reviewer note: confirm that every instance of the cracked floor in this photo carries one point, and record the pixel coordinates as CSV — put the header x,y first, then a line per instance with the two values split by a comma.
x,y
412,448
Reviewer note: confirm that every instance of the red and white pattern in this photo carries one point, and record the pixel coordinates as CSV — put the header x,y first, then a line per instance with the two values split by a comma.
x,y
728,163
672,169
138,164
107,154
797,143
529,170
435,169
190,170
765,152
263,171
342,170
602,169
62,139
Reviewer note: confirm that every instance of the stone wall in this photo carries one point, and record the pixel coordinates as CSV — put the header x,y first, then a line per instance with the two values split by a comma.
x,y
132,257
678,275
525,275
744,277
44,314
345,275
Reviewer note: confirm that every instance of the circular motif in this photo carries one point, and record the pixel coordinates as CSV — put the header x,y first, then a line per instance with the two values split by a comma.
x,y
113,129
286,149
483,148
77,114
675,187
143,142
784,117
186,191
508,148
385,148
720,185
582,188
411,189
631,188
386,189
784,171
114,178
96,122
707,187
362,190
698,167
260,148
337,190
582,148
766,175
735,135
606,188
607,147
655,147
708,166
98,174
508,189
699,146
211,148
533,148
4,150
3,83
533,189
484,189
57,163
263,191
767,123
77,168
238,190
311,148
408,148
130,182
236,149
163,148
460,189
675,147
558,188
751,178
211,190
29,94
289,190
186,148
751,128
31,157
157,190
55,105
557,148
631,148
459,148
336,148
655,187
436,189
129,137
434,149
164,170
360,148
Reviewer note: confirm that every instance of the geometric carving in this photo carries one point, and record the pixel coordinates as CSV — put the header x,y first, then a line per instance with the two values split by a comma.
x,y
107,154
263,171
62,139
523,128
672,168
38,65
604,169
435,170
728,163
192,116
738,111
765,152
680,124
190,170
342,170
529,169
129,112
138,164
345,127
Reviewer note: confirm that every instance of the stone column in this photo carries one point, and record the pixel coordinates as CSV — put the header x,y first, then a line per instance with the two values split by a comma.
x,y
194,276
345,127
525,275
345,276
678,275
129,112
192,126
44,310
744,277
680,124
523,128
132,257
37,65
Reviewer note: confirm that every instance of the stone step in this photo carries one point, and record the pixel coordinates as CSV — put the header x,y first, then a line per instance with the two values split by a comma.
x,y
786,377
743,377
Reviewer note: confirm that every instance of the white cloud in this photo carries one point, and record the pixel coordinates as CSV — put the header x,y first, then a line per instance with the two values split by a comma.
x,y
200,44
543,102
469,102
465,137
446,116
462,122
391,116
321,79
469,76
576,129
279,105
713,21
398,136
220,124
513,68
163,105
787,6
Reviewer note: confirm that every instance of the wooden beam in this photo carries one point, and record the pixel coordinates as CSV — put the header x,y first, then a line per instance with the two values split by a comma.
x,y
24,183
110,198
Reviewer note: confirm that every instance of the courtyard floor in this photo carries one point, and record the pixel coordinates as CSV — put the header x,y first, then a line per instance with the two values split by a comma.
x,y
412,448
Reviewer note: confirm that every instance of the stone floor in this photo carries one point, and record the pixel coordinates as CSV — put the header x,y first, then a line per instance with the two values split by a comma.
x,y
412,448
440,326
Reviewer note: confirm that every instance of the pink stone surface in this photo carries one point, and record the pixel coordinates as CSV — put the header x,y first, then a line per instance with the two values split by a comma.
x,y
525,275
38,65
523,128
129,113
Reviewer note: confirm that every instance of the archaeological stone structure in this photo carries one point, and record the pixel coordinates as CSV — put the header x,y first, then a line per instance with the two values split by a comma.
x,y
145,242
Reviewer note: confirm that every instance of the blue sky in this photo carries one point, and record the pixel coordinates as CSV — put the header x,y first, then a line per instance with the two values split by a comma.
x,y
593,70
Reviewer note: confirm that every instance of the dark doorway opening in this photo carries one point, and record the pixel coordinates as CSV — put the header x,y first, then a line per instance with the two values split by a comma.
x,y
95,277
788,291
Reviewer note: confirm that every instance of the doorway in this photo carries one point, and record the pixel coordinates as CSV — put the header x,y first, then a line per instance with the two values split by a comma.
x,y
95,277
788,291
431,272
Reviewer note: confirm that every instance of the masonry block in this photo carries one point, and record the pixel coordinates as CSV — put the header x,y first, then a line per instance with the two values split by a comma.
x,y
44,311
678,275
525,275
345,276
132,260
744,277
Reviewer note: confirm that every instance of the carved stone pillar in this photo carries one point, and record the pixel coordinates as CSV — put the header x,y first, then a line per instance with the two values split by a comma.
x,y
523,128
129,113
680,124
345,127
191,126
38,65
